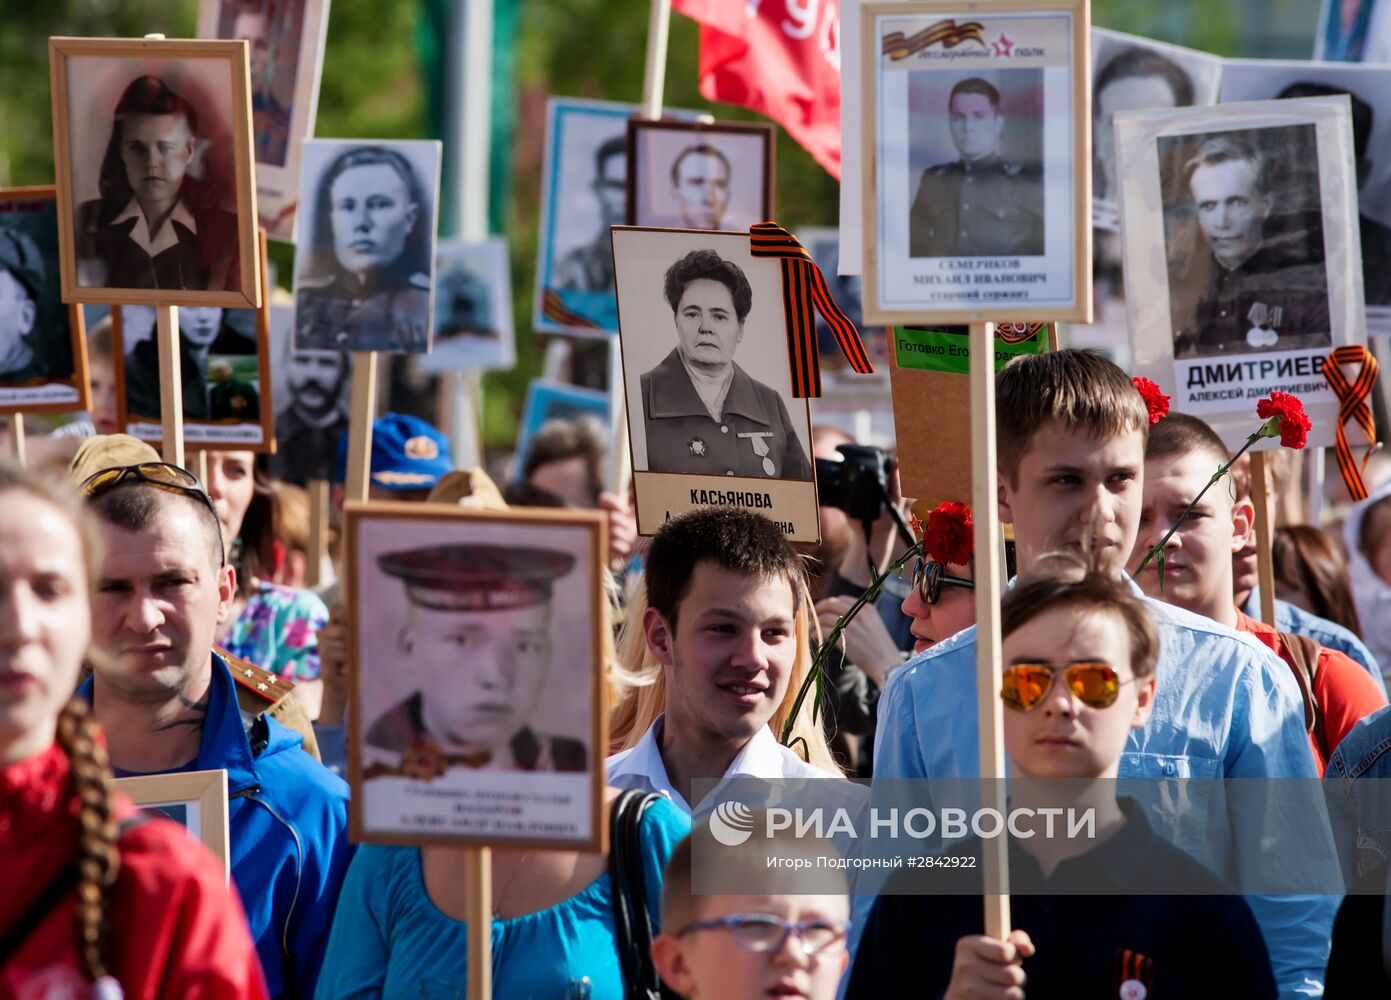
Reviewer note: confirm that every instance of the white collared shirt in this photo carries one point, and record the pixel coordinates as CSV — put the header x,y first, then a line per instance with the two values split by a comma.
x,y
166,237
642,767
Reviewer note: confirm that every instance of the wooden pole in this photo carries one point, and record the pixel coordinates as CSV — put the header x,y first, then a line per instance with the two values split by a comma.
x,y
171,384
201,467
318,532
1265,533
363,412
17,438
478,914
620,458
989,585
1315,469
655,73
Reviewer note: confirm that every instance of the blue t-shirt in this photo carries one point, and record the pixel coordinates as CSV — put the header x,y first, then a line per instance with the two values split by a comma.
x,y
389,940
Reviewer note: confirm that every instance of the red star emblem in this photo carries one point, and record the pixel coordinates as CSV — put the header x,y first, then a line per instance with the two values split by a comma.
x,y
1003,46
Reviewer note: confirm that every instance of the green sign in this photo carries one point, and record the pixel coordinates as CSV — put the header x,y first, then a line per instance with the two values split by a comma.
x,y
945,351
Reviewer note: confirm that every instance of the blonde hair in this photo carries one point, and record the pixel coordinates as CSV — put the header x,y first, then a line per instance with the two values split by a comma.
x,y
642,682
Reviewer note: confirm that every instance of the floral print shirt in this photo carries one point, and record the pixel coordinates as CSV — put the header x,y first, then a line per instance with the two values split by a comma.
x,y
278,630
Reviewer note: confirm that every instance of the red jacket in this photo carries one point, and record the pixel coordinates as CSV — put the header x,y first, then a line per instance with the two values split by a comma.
x,y
177,930
1343,690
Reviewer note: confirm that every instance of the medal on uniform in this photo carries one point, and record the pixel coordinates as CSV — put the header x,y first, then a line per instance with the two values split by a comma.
x,y
760,448
1264,319
696,447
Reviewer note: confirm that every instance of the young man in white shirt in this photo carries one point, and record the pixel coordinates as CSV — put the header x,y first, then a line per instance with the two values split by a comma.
x,y
725,617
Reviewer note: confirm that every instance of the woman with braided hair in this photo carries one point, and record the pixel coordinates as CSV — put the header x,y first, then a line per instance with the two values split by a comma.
x,y
94,900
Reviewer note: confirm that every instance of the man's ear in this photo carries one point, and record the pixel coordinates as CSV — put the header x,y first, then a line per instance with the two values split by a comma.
x,y
1243,523
670,959
28,312
226,591
1144,701
658,634
1002,493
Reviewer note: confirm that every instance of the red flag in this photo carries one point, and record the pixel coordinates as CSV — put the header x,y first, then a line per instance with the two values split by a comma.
x,y
780,58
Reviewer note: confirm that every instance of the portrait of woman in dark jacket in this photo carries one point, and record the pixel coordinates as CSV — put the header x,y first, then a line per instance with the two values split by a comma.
x,y
158,222
703,413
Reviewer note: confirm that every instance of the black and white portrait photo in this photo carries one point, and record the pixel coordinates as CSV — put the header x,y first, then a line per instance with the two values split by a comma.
x,y
311,403
42,355
972,151
698,176
364,263
154,154
704,345
1130,73
1368,90
221,372
986,200
286,41
1242,267
1244,238
473,307
481,680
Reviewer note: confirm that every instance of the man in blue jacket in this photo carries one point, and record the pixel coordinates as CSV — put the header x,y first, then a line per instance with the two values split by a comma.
x,y
169,704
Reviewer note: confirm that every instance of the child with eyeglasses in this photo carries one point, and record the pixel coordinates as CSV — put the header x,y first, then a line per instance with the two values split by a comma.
x,y
755,945
1079,653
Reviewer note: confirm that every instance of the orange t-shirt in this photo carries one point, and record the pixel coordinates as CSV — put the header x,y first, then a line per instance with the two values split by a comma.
x,y
1343,690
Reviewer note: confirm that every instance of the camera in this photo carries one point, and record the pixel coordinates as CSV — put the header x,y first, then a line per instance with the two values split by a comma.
x,y
859,484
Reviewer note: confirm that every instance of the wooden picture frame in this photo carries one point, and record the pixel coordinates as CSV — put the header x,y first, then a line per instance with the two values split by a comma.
x,y
206,434
1023,253
202,794
753,455
85,274
277,176
419,535
48,396
729,141
1218,333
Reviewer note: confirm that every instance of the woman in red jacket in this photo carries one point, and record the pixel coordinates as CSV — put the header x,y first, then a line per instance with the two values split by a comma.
x,y
94,901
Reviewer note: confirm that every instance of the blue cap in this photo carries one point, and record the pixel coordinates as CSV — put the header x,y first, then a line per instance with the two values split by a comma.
x,y
407,453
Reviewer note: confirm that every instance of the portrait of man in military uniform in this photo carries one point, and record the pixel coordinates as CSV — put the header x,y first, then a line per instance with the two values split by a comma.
x,y
688,175
589,266
982,204
1252,279
478,638
271,29
23,284
703,413
311,406
363,279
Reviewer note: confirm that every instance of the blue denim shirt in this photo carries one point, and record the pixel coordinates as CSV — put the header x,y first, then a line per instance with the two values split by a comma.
x,y
1224,707
1365,754
1330,635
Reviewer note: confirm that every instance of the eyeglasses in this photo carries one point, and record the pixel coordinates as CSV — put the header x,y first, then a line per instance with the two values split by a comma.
x,y
930,577
1024,685
160,475
762,933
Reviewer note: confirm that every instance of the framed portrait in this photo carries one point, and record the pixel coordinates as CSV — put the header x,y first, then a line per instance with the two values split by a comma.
x,y
196,800
477,704
693,175
711,416
584,190
473,307
43,345
224,365
365,257
837,377
311,391
152,146
977,122
286,48
1242,261
1368,88
548,400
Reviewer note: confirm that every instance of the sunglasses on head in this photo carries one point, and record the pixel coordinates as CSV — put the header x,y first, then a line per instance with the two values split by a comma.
x,y
1096,685
930,577
160,475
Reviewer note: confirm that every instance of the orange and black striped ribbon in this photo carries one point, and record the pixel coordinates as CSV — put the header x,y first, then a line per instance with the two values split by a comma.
x,y
804,294
1352,405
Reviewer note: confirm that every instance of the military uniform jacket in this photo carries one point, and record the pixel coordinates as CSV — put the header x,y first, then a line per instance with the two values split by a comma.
x,y
755,438
142,377
305,450
986,208
1277,289
389,311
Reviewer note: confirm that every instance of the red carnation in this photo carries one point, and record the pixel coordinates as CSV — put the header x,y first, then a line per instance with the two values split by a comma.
x,y
1284,414
950,536
1155,401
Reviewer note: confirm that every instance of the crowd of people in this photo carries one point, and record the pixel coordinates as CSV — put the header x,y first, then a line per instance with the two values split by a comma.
x,y
155,622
